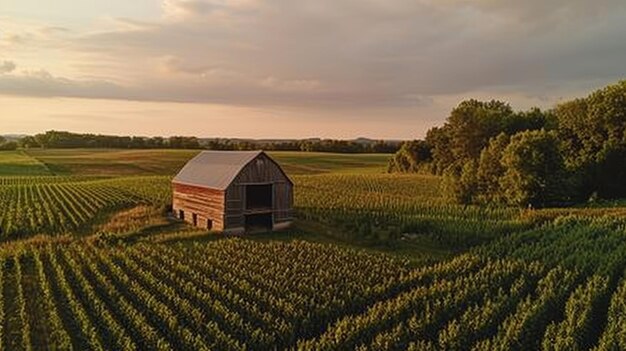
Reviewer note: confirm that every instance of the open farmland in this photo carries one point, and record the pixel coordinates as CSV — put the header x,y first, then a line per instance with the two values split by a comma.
x,y
91,262
19,163
117,162
238,294
58,205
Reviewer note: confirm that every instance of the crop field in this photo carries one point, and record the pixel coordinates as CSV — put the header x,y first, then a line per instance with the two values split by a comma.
x,y
238,294
375,261
57,205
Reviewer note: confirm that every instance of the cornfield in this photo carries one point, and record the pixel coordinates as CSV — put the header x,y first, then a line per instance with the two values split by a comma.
x,y
523,280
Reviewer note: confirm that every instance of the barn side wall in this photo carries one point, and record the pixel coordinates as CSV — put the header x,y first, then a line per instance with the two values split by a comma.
x,y
265,171
207,204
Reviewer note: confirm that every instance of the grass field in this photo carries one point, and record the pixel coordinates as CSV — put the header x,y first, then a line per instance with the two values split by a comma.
x,y
168,162
17,163
109,162
375,261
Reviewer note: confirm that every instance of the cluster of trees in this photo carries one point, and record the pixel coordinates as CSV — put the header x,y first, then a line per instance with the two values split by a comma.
x,y
489,153
311,145
349,146
59,139
6,145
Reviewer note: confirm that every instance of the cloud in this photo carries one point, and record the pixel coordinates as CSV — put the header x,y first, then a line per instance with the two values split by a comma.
x,y
53,30
7,67
175,65
337,54
40,83
198,8
294,84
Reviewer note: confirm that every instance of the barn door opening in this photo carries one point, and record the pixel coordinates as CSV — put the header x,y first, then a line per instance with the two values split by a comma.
x,y
259,197
259,222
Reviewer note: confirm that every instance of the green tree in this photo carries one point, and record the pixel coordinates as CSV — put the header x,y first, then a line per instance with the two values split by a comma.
x,y
8,146
593,134
460,183
28,142
491,169
533,119
473,123
535,172
413,156
439,138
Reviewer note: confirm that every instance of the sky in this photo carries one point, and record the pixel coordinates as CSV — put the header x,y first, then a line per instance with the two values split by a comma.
x,y
294,68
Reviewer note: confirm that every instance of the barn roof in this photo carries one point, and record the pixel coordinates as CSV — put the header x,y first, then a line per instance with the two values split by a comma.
x,y
215,169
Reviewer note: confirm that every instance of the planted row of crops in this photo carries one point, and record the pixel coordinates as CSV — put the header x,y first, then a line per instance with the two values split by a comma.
x,y
31,180
380,207
539,284
230,295
557,288
358,206
373,207
238,294
63,204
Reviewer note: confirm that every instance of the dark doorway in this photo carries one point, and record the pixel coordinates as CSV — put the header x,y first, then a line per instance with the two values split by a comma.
x,y
260,222
181,214
194,218
259,196
209,224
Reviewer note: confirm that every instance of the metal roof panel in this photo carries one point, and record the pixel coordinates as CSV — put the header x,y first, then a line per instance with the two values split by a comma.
x,y
214,169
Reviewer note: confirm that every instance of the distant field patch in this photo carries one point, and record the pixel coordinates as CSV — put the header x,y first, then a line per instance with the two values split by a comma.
x,y
320,162
19,163
116,162
113,161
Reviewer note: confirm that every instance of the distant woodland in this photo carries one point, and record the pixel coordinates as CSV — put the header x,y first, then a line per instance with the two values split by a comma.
x,y
60,139
7,144
489,154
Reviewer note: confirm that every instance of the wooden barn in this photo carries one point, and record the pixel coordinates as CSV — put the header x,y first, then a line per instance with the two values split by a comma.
x,y
233,191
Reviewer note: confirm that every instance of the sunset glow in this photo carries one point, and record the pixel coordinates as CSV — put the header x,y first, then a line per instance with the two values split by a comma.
x,y
251,68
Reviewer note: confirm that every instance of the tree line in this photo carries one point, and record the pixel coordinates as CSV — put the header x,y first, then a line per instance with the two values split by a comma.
x,y
6,145
67,140
61,139
309,145
488,153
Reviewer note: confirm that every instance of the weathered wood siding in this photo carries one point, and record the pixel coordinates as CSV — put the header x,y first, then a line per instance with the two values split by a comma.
x,y
227,209
261,170
205,203
283,202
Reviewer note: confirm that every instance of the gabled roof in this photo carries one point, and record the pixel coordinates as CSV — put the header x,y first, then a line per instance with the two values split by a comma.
x,y
215,169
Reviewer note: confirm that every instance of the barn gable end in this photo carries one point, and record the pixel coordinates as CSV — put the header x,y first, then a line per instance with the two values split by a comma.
x,y
234,191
